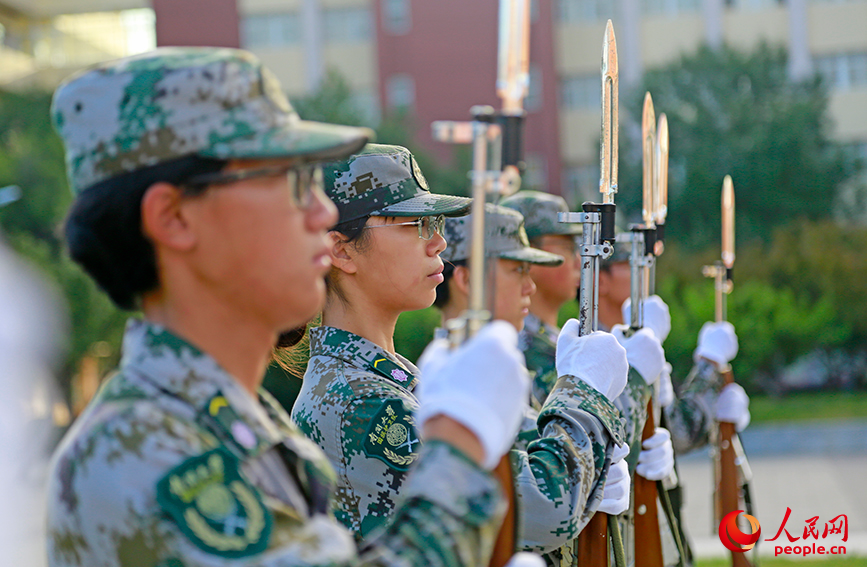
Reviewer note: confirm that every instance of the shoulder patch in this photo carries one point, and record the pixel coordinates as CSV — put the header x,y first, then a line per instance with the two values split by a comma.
x,y
214,507
386,367
391,436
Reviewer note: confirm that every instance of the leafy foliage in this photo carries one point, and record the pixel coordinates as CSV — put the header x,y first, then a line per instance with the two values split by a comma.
x,y
737,113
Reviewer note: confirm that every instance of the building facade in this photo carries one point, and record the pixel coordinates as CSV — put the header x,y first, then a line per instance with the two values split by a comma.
x,y
434,60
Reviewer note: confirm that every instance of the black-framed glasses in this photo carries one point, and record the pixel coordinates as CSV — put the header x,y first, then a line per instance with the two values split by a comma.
x,y
303,180
427,226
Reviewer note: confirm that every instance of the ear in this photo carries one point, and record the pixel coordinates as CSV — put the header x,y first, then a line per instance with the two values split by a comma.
x,y
342,253
461,279
164,219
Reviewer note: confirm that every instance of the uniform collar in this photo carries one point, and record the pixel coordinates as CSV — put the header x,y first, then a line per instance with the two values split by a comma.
x,y
363,354
181,369
534,326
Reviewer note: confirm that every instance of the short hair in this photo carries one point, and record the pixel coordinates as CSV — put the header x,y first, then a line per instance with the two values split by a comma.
x,y
104,234
443,292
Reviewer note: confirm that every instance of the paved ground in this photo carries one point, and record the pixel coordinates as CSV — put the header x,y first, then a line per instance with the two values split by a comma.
x,y
816,469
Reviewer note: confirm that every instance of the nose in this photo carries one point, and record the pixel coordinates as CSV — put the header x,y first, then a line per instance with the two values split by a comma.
x,y
529,286
437,244
321,214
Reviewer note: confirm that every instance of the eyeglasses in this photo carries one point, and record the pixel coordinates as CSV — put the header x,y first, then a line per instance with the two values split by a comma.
x,y
303,180
427,226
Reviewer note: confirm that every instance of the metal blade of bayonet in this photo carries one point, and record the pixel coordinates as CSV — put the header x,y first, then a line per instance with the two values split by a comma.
x,y
728,222
648,155
513,57
608,154
661,205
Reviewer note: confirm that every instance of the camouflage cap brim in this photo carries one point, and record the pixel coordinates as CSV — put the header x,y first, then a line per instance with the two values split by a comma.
x,y
533,256
315,141
426,205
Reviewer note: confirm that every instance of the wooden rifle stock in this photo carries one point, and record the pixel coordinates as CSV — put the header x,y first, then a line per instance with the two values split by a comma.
x,y
591,549
727,481
507,537
648,541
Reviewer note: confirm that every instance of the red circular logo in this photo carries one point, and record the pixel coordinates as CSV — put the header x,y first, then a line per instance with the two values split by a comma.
x,y
733,538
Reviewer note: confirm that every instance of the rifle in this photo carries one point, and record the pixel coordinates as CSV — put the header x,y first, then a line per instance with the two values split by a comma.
x,y
730,460
647,241
497,142
590,548
642,262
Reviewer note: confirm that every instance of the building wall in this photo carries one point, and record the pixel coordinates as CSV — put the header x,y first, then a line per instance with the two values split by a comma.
x,y
197,22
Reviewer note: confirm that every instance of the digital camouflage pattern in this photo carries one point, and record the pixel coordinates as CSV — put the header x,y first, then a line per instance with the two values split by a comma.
x,y
139,111
540,211
386,181
690,418
348,389
175,464
558,479
505,238
538,341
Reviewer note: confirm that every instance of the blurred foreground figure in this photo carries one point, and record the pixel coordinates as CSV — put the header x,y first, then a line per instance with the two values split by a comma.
x,y
31,331
199,202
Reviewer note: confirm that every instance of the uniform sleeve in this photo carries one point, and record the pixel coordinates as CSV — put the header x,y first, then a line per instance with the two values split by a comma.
x,y
104,509
378,445
560,478
690,418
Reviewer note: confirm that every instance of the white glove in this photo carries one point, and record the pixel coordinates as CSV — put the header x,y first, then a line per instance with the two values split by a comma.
x,y
525,559
717,342
733,406
666,390
656,315
483,384
643,351
596,359
615,496
434,354
656,459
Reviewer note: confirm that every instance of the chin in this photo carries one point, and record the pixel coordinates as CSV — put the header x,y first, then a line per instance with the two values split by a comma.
x,y
305,305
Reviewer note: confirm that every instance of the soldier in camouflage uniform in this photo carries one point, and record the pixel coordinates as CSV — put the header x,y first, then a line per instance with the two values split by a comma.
x,y
554,286
691,416
197,202
359,395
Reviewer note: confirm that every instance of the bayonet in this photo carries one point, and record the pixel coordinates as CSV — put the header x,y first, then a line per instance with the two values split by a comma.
x,y
608,149
590,549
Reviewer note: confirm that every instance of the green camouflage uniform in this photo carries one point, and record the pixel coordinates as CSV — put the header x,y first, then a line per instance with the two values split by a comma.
x,y
538,340
357,403
175,464
690,418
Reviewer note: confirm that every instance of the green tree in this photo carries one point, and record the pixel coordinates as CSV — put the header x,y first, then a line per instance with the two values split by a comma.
x,y
737,113
31,156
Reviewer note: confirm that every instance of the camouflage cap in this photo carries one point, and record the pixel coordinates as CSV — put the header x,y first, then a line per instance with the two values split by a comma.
x,y
540,213
505,238
173,102
386,181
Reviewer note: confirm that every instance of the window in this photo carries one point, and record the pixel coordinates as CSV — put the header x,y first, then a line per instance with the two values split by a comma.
x,y
588,11
400,91
533,102
669,7
347,25
271,30
583,91
843,71
581,184
396,16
